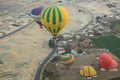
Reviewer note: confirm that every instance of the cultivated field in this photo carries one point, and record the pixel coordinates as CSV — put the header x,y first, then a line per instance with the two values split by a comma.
x,y
111,43
116,78
116,25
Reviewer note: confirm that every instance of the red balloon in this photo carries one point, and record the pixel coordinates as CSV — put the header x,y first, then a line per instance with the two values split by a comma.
x,y
104,60
113,65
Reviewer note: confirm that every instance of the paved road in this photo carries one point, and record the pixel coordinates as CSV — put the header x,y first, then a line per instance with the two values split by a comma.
x,y
16,30
39,72
42,65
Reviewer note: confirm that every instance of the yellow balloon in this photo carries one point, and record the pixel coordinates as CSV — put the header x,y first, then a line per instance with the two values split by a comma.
x,y
54,19
88,71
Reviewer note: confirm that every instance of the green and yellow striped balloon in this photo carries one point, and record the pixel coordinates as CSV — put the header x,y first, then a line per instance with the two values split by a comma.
x,y
54,18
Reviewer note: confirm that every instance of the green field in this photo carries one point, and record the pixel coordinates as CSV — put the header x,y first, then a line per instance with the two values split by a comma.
x,y
111,43
116,25
115,78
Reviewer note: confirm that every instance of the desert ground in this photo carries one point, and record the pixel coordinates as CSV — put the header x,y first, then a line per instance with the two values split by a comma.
x,y
21,52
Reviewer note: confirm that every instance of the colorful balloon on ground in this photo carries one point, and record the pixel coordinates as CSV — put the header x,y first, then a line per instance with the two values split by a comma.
x,y
88,71
113,65
67,59
35,14
54,19
105,61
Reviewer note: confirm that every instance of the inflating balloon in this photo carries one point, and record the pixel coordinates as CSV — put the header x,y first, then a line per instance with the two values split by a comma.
x,y
35,14
104,60
54,19
88,71
113,65
67,59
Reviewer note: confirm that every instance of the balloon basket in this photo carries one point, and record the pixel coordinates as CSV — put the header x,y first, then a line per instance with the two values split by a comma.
x,y
54,37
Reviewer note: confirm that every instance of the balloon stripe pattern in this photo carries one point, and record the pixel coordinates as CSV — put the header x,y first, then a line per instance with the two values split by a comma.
x,y
54,18
67,59
64,57
88,71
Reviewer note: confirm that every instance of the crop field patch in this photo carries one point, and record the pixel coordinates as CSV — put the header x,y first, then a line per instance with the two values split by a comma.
x,y
111,43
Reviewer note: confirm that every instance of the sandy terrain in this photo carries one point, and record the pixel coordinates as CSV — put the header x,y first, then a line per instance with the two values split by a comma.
x,y
22,51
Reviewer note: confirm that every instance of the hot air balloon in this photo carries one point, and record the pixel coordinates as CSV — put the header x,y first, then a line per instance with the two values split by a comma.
x,y
113,65
88,71
54,19
35,14
67,59
104,60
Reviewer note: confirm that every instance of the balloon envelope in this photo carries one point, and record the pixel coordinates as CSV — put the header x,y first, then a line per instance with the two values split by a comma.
x,y
67,59
88,71
104,60
35,14
54,19
37,11
113,65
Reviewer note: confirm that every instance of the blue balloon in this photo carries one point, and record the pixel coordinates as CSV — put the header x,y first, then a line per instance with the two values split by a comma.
x,y
33,11
37,11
